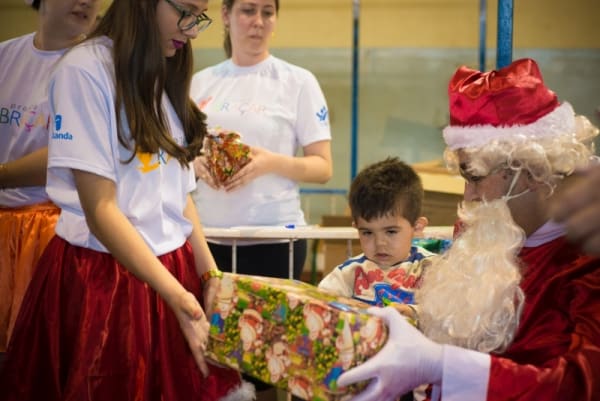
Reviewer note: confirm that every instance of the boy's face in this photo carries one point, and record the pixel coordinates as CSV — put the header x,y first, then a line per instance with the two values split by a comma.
x,y
385,240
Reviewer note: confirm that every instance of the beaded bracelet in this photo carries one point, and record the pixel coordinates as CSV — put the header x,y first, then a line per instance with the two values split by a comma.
x,y
210,273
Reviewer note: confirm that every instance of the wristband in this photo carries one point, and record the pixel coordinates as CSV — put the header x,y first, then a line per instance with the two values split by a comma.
x,y
2,172
210,273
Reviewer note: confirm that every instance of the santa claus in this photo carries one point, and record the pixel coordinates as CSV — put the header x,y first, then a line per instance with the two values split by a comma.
x,y
512,142
512,310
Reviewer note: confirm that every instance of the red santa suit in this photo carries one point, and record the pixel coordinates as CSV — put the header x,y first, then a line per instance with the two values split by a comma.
x,y
556,352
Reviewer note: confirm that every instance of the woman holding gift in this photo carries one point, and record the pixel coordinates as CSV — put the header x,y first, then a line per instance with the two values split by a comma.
x,y
277,108
27,217
114,309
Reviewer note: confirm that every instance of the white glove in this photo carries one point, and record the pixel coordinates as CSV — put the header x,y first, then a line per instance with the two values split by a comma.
x,y
407,360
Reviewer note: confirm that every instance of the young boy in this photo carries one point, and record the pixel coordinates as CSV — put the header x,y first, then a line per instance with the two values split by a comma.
x,y
385,202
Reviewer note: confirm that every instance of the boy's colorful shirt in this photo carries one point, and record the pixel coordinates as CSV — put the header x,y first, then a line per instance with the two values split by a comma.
x,y
364,280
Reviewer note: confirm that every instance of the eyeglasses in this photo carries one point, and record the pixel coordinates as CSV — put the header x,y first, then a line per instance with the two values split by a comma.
x,y
475,179
188,20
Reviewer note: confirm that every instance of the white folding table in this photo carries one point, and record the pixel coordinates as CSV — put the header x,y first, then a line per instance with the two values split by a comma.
x,y
299,232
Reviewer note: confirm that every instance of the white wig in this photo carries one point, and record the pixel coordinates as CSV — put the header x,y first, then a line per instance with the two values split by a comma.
x,y
547,158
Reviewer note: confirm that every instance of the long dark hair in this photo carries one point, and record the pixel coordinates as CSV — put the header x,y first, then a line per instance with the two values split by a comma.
x,y
228,4
142,74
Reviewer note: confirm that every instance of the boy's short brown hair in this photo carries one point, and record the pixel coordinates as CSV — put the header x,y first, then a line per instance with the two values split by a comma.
x,y
386,187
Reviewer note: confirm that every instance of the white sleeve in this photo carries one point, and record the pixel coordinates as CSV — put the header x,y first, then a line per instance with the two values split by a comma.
x,y
465,374
196,86
82,123
312,122
334,282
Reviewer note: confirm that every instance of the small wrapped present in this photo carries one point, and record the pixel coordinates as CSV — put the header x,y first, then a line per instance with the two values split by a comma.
x,y
225,154
292,335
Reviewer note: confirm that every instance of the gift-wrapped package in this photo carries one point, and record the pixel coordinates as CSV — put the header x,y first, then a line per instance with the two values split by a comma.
x,y
225,154
291,334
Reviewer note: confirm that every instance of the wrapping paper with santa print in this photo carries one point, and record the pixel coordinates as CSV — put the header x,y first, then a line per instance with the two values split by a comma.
x,y
225,154
292,335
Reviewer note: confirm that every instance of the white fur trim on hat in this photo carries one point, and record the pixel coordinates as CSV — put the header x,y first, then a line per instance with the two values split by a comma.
x,y
559,121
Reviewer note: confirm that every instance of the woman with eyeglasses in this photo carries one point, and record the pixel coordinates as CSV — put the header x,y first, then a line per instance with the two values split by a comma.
x,y
116,309
27,216
281,113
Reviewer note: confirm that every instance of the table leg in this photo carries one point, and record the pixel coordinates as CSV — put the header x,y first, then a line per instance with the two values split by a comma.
x,y
291,259
234,256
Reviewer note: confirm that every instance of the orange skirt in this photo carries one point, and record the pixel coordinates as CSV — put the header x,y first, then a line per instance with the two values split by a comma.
x,y
24,234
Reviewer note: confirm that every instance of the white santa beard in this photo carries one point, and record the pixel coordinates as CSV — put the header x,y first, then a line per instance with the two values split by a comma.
x,y
471,297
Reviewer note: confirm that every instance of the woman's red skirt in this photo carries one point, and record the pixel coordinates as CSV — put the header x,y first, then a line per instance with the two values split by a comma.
x,y
90,330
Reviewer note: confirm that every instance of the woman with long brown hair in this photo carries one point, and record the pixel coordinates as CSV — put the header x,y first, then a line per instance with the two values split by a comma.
x,y
117,308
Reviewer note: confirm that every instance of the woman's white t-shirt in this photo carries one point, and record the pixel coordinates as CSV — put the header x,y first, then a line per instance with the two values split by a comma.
x,y
24,115
151,189
273,105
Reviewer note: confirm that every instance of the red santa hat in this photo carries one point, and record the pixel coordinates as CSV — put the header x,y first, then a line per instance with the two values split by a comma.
x,y
504,104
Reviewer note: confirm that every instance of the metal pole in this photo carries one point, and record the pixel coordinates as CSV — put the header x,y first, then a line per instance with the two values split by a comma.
x,y
355,55
482,33
505,33
234,256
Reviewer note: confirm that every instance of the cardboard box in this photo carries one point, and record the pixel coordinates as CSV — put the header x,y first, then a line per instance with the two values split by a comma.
x,y
291,334
443,192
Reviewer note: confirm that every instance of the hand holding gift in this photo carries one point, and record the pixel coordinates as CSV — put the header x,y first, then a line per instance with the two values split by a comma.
x,y
407,360
225,154
292,334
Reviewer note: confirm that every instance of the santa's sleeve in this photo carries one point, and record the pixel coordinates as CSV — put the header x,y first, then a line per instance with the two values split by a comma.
x,y
573,375
474,376
465,375
572,368
570,353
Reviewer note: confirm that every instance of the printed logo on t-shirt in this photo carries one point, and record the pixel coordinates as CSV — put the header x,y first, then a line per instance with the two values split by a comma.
x,y
380,288
204,102
57,134
323,114
240,107
19,115
151,161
